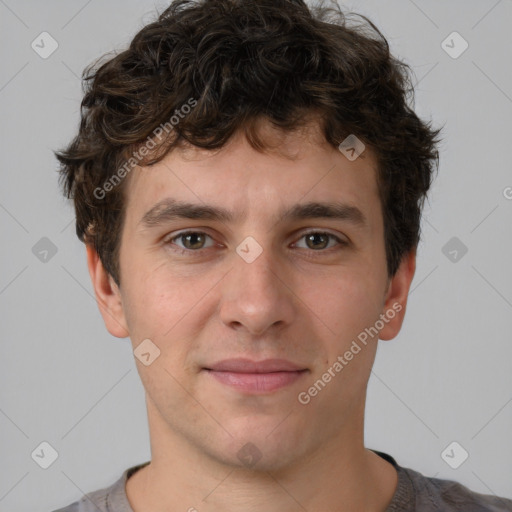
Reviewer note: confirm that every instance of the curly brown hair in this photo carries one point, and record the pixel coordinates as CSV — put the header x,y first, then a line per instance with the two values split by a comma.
x,y
243,61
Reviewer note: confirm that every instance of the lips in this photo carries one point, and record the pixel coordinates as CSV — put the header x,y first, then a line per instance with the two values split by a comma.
x,y
241,365
256,377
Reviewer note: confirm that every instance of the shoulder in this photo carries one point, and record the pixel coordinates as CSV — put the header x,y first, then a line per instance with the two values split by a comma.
x,y
109,499
92,502
435,494
418,493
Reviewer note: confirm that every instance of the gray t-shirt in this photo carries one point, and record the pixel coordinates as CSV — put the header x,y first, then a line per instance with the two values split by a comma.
x,y
414,493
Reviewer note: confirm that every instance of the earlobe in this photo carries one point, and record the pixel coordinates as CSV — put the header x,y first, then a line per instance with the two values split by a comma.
x,y
108,296
396,297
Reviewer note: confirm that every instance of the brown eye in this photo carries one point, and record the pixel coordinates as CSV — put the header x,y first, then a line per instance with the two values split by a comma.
x,y
192,240
318,240
189,241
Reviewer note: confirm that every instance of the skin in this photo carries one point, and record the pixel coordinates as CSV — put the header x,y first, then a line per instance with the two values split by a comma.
x,y
298,301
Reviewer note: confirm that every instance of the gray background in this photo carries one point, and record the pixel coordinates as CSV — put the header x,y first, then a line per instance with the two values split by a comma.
x,y
446,377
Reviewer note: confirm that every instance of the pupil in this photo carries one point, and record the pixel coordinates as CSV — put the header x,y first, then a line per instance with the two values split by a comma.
x,y
313,236
191,237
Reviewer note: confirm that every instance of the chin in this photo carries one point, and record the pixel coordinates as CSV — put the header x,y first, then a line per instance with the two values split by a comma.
x,y
263,447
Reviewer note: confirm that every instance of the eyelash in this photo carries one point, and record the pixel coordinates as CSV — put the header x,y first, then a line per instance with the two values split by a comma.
x,y
180,250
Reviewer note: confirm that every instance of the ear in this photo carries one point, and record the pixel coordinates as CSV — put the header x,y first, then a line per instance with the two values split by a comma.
x,y
396,297
108,296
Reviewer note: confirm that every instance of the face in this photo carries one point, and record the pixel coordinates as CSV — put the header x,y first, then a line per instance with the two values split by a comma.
x,y
276,256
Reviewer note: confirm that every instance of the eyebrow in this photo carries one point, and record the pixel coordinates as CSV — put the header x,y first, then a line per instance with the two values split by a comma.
x,y
169,209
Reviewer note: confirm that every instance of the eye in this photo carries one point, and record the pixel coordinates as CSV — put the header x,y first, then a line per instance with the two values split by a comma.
x,y
317,240
192,240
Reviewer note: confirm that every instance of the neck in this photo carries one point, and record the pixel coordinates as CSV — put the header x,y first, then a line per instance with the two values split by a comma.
x,y
181,477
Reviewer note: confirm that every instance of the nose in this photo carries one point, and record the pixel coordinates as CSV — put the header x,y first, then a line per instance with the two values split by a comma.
x,y
257,296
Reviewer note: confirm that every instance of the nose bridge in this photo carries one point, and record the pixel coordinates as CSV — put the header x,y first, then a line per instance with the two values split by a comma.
x,y
254,294
256,265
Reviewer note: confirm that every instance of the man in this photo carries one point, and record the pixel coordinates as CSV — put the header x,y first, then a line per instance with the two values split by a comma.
x,y
248,179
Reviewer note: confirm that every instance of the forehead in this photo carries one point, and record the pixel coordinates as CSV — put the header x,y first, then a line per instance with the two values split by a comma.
x,y
296,168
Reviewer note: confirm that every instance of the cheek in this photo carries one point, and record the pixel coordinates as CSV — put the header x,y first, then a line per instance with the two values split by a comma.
x,y
164,305
345,302
165,310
